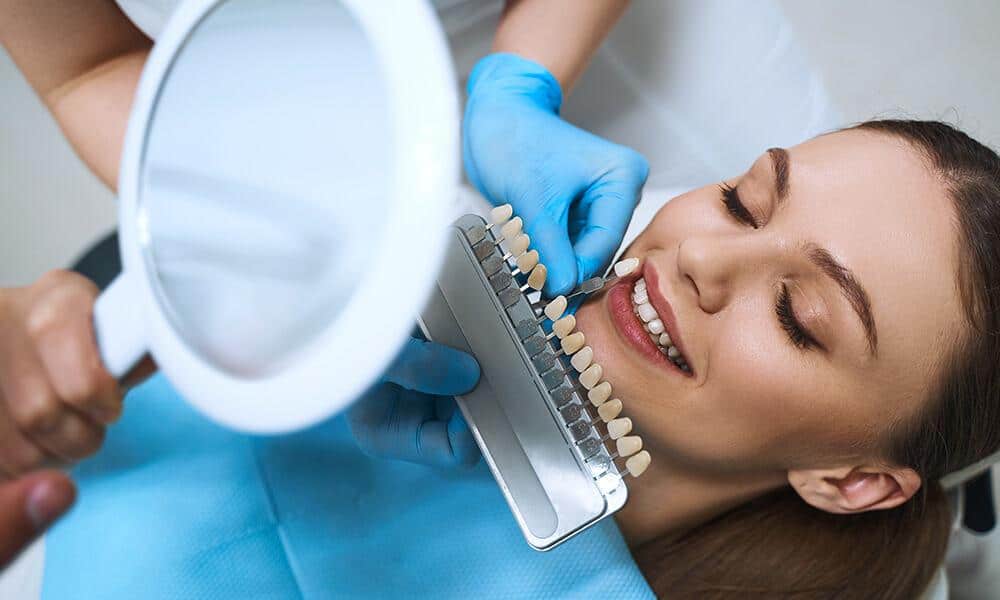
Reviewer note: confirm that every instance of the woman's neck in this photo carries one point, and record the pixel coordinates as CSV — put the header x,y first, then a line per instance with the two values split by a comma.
x,y
669,500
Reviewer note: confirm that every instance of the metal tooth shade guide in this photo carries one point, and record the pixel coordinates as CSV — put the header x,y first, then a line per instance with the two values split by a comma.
x,y
570,343
557,356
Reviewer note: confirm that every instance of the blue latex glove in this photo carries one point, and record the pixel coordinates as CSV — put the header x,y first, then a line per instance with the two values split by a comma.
x,y
574,191
411,414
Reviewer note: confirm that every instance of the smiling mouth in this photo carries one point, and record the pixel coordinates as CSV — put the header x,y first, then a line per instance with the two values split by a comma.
x,y
623,310
654,326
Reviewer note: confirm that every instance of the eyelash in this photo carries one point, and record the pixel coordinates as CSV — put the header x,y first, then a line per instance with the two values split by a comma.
x,y
786,316
735,207
783,307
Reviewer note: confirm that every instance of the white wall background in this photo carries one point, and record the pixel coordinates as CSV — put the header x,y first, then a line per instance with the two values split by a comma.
x,y
918,57
51,206
925,59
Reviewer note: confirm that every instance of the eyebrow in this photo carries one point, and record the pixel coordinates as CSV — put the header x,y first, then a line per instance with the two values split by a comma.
x,y
780,166
851,288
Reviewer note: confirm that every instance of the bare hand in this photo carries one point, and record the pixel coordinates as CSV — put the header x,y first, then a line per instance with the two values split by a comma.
x,y
29,505
55,395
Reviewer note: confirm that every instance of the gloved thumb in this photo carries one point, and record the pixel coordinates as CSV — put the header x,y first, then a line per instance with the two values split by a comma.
x,y
433,368
550,237
611,202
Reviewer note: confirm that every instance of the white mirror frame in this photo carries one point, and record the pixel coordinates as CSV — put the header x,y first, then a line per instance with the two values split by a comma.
x,y
342,362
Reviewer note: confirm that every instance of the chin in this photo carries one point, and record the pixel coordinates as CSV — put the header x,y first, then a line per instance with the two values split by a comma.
x,y
630,379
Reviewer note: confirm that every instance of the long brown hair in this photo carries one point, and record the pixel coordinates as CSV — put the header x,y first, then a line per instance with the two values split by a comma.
x,y
777,546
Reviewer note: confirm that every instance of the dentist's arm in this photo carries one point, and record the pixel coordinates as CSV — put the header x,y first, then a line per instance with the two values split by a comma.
x,y
575,191
83,59
561,35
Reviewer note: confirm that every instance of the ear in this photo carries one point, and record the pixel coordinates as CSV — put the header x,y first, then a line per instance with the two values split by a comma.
x,y
847,490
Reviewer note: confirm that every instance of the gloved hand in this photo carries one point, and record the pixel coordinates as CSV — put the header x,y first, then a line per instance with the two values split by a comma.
x,y
574,191
411,414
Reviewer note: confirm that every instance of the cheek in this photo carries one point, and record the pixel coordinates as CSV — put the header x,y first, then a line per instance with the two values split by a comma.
x,y
697,210
779,406
751,384
761,407
749,412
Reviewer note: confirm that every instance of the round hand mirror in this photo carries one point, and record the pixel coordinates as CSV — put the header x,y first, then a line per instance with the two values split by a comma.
x,y
284,192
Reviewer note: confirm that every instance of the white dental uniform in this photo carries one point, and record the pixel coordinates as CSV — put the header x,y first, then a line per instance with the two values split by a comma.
x,y
689,84
699,87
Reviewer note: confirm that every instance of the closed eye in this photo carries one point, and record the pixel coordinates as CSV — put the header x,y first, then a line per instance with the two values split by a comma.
x,y
735,206
798,334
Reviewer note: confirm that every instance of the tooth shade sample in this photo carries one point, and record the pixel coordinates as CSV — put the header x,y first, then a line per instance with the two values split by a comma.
x,y
555,309
628,445
582,359
640,286
571,343
537,277
591,376
656,326
624,267
636,465
646,312
501,214
527,261
619,427
519,244
600,394
512,228
640,297
673,352
609,410
564,326
665,340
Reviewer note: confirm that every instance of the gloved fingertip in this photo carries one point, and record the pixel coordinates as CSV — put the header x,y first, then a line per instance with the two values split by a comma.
x,y
467,372
574,304
591,265
561,278
463,445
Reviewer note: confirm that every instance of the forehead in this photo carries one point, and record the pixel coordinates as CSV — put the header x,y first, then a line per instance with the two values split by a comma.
x,y
875,203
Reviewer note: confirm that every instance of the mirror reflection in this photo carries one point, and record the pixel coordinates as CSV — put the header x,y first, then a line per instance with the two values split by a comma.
x,y
266,154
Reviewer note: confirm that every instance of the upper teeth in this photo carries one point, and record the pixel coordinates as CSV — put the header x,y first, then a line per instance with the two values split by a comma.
x,y
654,325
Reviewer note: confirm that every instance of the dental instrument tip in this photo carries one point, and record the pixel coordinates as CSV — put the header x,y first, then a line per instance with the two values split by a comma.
x,y
588,286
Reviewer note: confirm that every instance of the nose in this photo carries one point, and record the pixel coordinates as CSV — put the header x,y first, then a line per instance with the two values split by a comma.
x,y
716,267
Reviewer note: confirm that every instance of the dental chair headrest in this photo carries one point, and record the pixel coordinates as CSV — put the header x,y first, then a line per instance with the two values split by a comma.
x,y
979,508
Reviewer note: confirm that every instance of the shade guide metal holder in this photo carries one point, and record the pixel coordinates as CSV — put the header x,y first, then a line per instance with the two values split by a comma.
x,y
529,411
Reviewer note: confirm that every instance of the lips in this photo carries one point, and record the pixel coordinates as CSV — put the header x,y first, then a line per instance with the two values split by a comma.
x,y
666,314
633,330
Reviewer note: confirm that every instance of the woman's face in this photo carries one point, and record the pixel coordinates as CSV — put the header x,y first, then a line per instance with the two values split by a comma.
x,y
812,307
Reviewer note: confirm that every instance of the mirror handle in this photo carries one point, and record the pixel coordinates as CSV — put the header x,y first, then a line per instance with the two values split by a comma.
x,y
120,327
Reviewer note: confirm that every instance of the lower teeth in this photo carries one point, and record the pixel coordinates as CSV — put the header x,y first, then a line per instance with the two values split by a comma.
x,y
679,362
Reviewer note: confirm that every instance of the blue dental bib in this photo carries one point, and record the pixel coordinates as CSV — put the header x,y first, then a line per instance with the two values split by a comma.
x,y
177,507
